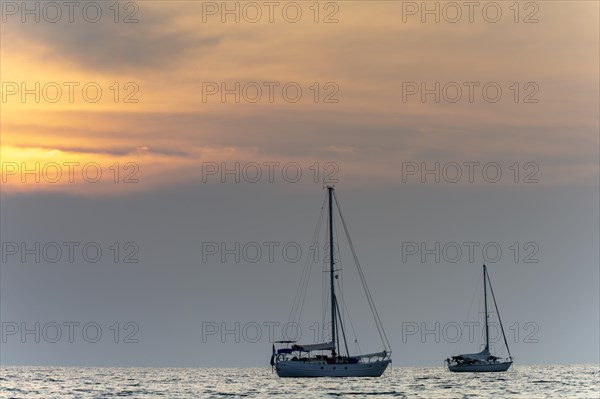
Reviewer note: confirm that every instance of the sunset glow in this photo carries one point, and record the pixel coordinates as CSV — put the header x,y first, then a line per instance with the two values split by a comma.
x,y
151,92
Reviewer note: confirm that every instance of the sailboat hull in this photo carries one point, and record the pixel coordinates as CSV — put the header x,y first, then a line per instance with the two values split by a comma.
x,y
301,369
480,368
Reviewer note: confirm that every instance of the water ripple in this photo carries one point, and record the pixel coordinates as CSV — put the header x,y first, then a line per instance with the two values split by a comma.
x,y
578,381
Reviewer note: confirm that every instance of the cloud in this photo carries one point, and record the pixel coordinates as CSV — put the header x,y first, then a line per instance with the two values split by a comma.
x,y
155,41
370,131
172,147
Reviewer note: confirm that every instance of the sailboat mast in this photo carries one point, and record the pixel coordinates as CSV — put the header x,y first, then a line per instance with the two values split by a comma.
x,y
487,329
331,263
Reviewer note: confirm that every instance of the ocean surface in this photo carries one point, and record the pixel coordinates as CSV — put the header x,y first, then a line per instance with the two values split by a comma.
x,y
572,381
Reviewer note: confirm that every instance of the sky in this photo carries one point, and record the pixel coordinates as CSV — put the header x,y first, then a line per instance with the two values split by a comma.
x,y
163,165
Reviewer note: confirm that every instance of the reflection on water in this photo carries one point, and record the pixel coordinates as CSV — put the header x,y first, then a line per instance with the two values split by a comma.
x,y
580,381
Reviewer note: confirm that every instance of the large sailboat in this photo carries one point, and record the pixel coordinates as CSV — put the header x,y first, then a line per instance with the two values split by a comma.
x,y
483,361
332,357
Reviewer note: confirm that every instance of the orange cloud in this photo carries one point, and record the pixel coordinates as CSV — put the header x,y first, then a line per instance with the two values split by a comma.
x,y
155,108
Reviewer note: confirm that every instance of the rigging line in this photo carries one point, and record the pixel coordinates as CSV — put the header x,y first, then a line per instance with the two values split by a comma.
x,y
340,268
480,314
324,298
325,286
299,294
337,305
345,308
309,262
325,321
376,317
475,294
305,276
337,332
310,267
498,313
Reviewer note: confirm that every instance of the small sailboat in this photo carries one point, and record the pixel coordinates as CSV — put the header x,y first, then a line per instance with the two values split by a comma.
x,y
332,358
483,361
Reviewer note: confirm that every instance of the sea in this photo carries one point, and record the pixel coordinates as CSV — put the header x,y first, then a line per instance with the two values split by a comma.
x,y
526,381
